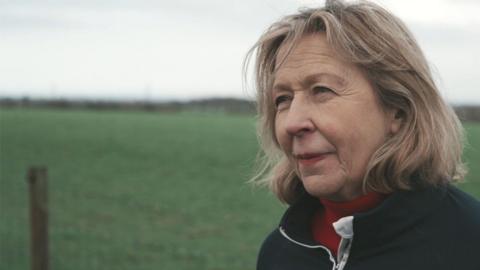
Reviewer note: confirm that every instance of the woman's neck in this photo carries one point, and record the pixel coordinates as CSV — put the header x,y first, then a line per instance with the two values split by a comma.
x,y
346,208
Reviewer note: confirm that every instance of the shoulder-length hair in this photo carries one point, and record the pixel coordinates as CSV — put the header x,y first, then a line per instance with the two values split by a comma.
x,y
428,147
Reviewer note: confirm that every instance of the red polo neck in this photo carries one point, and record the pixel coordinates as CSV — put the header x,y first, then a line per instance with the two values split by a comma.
x,y
322,225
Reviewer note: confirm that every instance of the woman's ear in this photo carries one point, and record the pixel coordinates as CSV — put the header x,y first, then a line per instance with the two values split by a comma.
x,y
397,117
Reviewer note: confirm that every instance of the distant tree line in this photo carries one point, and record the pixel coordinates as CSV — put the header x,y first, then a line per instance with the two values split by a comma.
x,y
214,105
468,113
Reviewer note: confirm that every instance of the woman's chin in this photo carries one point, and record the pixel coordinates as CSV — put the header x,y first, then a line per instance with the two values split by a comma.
x,y
330,187
321,186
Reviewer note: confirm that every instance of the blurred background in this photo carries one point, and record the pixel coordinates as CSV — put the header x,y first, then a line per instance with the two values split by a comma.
x,y
138,112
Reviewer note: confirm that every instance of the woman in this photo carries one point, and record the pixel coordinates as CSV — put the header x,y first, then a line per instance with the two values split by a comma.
x,y
361,146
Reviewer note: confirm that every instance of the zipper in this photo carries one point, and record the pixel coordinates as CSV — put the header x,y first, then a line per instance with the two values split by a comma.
x,y
343,253
343,227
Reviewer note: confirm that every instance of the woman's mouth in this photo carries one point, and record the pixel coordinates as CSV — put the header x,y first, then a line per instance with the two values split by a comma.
x,y
310,159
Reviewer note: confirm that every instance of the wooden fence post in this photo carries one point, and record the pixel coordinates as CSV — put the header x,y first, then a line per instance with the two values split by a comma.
x,y
37,181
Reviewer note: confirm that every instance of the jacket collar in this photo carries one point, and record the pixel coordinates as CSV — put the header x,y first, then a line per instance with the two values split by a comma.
x,y
297,220
397,213
400,212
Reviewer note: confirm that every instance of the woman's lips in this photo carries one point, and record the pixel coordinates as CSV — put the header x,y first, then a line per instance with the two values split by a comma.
x,y
310,159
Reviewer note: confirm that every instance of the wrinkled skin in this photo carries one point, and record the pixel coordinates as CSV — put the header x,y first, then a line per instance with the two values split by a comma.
x,y
329,121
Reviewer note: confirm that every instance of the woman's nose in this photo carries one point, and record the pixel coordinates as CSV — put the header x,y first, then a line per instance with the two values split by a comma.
x,y
298,120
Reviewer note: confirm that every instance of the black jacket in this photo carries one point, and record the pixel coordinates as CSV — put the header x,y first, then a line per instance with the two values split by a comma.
x,y
435,228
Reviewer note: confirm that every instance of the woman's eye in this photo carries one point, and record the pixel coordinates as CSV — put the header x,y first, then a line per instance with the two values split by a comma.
x,y
321,89
281,99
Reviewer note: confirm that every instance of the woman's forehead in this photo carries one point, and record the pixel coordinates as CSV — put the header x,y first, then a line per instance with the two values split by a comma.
x,y
311,54
314,43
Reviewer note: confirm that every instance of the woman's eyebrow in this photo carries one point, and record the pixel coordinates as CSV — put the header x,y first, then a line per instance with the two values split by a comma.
x,y
280,87
310,80
324,77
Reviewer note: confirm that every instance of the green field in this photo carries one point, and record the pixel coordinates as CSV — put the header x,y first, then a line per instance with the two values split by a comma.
x,y
137,190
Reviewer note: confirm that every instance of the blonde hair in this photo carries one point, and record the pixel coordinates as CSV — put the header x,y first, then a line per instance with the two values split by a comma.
x,y
428,147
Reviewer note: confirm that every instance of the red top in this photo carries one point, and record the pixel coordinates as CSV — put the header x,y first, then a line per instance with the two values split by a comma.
x,y
322,225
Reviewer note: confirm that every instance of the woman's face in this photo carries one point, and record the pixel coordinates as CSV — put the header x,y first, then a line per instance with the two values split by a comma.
x,y
328,119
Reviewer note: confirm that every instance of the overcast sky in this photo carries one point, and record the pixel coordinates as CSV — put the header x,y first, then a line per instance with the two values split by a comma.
x,y
183,49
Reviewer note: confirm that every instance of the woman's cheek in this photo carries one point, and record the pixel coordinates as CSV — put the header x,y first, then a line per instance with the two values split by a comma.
x,y
281,136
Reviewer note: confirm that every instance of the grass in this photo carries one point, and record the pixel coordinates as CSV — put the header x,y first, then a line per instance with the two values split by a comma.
x,y
472,158
134,190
